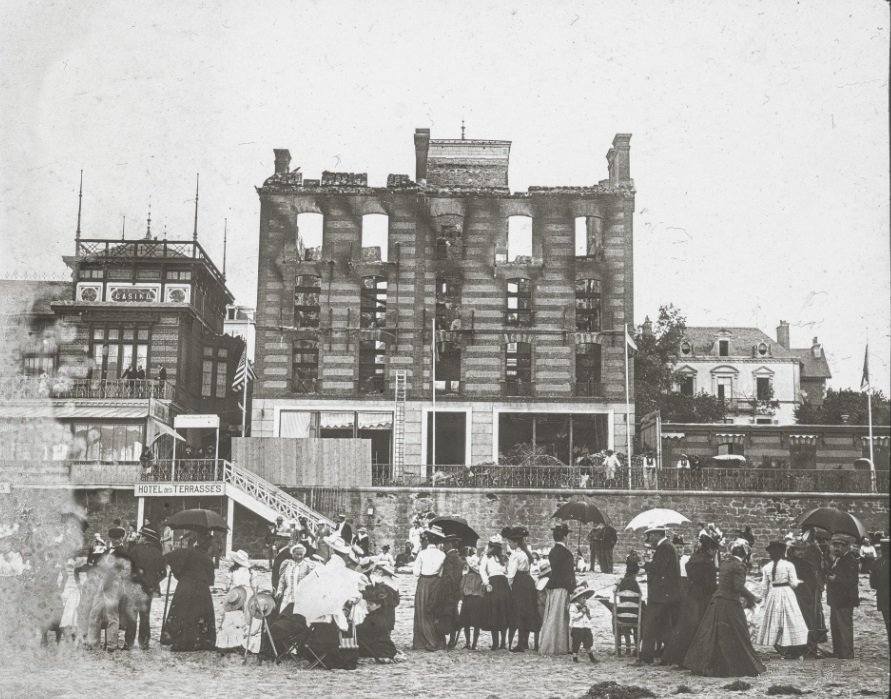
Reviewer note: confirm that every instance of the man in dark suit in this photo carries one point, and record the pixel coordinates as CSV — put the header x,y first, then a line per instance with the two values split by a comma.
x,y
608,539
843,595
663,594
147,571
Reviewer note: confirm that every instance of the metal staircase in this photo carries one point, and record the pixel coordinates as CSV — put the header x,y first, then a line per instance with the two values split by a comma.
x,y
399,423
267,500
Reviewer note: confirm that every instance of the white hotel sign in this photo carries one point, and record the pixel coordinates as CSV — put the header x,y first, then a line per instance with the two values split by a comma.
x,y
148,490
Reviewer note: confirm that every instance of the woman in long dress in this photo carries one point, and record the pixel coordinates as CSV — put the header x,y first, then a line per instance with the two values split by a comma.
x,y
702,581
70,601
496,599
234,625
554,635
783,626
427,568
524,616
721,646
191,623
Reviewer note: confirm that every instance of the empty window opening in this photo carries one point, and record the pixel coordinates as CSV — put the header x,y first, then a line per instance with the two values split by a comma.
x,y
519,239
309,236
587,370
723,348
685,385
372,360
375,237
306,301
587,236
449,243
306,366
566,437
451,437
373,303
762,388
724,388
587,305
448,367
519,302
448,304
518,362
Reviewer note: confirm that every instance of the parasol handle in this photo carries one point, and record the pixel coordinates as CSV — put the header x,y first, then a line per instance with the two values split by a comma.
x,y
166,600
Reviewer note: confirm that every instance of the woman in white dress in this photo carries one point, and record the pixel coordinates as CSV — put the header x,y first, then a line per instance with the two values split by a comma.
x,y
783,625
70,600
234,625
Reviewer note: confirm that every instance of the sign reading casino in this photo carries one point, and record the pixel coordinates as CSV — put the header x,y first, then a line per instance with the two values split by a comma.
x,y
134,293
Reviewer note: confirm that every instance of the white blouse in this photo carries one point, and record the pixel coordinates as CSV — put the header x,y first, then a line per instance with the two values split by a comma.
x,y
785,575
517,563
489,568
429,561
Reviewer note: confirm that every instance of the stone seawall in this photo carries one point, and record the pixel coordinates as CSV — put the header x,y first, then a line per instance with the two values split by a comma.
x,y
387,512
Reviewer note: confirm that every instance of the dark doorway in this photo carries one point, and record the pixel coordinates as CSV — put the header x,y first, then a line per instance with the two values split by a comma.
x,y
451,436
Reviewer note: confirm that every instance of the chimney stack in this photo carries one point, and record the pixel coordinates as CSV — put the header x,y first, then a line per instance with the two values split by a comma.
x,y
422,144
282,160
618,159
783,334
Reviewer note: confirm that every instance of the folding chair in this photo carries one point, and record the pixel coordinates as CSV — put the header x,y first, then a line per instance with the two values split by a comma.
x,y
627,615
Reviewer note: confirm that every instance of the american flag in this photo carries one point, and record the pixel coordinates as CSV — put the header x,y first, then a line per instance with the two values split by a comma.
x,y
244,367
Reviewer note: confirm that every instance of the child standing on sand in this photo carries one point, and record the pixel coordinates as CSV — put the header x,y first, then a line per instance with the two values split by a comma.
x,y
580,622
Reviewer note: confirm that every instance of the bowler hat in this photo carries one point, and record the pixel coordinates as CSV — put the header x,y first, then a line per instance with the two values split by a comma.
x,y
562,528
776,546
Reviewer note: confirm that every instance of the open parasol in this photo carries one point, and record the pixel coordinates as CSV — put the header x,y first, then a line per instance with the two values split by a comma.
x,y
325,591
457,526
580,511
657,517
833,520
196,519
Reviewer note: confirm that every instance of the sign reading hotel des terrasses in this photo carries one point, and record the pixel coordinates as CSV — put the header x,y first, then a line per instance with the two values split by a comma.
x,y
143,490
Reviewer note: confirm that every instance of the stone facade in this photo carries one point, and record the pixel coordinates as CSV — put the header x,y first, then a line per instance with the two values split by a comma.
x,y
450,226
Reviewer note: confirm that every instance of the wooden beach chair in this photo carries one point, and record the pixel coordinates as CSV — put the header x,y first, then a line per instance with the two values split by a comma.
x,y
627,615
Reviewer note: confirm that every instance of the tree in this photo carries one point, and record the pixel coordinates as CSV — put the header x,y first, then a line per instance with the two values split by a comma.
x,y
845,406
655,375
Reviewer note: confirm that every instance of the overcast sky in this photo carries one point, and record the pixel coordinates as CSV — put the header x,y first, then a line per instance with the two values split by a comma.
x,y
759,148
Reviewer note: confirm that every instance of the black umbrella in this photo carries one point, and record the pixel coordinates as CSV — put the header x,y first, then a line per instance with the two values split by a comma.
x,y
580,511
457,526
833,520
202,520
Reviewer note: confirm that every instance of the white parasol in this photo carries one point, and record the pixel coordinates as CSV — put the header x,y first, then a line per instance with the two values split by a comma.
x,y
325,591
657,517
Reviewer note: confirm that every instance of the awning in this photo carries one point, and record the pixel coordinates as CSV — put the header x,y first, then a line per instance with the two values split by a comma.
x,y
878,441
730,438
66,411
673,435
809,439
375,421
166,429
337,421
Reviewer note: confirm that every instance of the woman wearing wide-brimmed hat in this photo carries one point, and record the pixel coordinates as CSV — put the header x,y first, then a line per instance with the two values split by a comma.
x,y
427,569
233,624
783,625
524,616
721,646
554,635
702,577
496,600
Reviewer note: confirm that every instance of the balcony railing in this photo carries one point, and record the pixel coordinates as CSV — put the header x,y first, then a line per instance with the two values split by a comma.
x,y
596,477
516,389
66,387
588,389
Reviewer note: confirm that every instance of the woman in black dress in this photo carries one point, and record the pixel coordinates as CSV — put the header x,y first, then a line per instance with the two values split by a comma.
x,y
722,646
191,623
524,616
496,599
702,582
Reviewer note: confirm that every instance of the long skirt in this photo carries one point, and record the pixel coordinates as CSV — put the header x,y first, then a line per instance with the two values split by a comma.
x,y
783,624
373,636
721,646
233,630
496,605
191,622
810,602
471,611
554,636
425,636
693,606
70,603
524,604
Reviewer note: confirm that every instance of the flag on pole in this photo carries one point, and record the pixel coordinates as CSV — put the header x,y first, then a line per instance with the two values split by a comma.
x,y
243,370
628,340
864,382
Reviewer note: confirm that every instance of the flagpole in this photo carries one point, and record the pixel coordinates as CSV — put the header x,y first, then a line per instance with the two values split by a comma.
x,y
866,385
627,405
244,401
433,386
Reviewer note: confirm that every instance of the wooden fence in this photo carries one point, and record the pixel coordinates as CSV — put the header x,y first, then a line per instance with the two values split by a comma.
x,y
300,462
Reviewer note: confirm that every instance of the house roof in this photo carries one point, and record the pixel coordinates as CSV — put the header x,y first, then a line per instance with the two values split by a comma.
x,y
31,296
812,367
742,341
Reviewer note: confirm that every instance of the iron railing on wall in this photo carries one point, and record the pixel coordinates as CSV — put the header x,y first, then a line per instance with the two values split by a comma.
x,y
69,388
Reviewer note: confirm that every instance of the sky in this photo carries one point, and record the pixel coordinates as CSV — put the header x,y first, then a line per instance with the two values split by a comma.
x,y
759,148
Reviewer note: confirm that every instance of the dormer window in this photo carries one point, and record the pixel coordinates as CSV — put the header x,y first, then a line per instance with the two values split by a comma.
x,y
723,348
686,348
762,349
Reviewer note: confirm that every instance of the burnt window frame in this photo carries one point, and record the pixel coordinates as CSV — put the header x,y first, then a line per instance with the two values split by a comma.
x,y
373,302
305,366
588,304
307,315
521,371
522,315
372,353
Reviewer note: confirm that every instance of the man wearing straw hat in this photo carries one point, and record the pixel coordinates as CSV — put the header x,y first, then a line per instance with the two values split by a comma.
x,y
843,595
